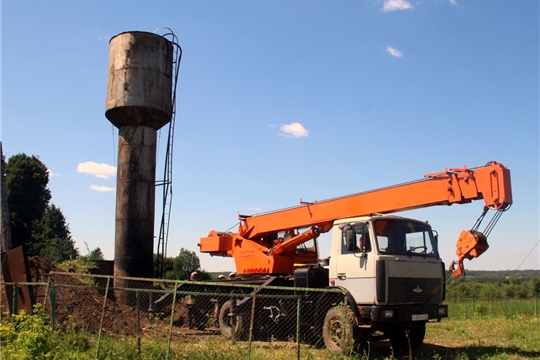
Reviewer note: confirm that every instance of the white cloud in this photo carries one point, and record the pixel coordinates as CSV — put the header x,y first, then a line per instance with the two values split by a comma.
x,y
453,2
254,209
102,171
393,5
295,130
101,188
99,34
394,52
52,173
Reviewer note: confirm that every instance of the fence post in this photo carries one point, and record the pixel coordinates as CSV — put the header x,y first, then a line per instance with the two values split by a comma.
x,y
172,321
251,323
137,293
102,316
472,307
53,304
47,293
535,307
15,305
298,322
232,314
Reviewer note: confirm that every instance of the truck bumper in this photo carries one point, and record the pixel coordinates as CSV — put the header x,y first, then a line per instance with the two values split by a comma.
x,y
412,313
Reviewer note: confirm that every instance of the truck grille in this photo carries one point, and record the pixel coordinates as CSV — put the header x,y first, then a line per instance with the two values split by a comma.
x,y
412,290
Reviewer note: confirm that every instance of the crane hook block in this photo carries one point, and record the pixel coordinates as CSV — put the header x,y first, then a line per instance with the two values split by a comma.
x,y
471,244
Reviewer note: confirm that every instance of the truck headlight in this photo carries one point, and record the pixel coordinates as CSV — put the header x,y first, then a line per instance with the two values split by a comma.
x,y
388,314
443,311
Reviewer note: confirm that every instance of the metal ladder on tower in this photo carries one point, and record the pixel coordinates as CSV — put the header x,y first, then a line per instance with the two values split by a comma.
x,y
163,237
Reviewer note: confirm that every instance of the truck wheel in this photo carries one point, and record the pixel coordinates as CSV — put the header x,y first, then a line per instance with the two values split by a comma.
x,y
226,322
399,340
339,330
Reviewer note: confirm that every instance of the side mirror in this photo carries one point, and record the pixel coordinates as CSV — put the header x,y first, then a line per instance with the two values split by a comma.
x,y
351,240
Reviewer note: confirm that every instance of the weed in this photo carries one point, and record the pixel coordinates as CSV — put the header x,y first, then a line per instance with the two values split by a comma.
x,y
27,336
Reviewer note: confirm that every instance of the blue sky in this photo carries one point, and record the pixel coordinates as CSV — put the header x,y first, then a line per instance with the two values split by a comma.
x,y
281,100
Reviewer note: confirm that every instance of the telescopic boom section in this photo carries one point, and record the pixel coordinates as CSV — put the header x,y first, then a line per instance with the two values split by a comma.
x,y
452,186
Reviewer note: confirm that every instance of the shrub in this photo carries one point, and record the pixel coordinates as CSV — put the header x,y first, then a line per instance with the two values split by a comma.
x,y
27,336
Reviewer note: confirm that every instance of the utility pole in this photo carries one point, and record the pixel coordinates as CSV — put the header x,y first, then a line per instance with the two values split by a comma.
x,y
5,243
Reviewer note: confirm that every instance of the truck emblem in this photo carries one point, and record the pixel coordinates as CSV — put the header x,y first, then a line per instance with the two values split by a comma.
x,y
417,290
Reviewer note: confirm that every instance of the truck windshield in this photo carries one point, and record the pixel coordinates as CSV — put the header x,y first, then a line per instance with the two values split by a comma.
x,y
405,237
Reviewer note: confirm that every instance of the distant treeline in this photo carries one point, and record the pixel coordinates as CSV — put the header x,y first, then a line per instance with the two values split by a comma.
x,y
519,284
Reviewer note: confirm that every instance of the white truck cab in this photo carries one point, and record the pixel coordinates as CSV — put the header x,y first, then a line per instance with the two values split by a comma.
x,y
391,267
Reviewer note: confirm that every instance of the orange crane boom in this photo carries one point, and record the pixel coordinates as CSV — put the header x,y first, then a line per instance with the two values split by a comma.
x,y
255,250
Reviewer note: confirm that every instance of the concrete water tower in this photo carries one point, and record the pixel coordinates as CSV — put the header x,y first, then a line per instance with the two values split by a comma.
x,y
139,93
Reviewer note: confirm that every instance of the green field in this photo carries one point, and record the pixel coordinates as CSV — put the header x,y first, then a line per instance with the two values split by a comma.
x,y
499,308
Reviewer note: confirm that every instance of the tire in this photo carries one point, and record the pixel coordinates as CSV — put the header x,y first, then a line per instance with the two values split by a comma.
x,y
225,322
339,331
400,342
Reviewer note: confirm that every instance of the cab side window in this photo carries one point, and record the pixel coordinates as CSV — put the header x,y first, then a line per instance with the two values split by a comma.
x,y
355,239
363,238
349,245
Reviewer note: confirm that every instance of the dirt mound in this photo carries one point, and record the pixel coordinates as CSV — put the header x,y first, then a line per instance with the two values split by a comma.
x,y
39,268
80,301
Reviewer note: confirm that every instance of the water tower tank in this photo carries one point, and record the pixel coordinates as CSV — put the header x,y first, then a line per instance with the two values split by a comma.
x,y
139,87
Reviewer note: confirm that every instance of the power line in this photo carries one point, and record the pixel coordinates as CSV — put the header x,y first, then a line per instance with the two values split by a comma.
x,y
530,252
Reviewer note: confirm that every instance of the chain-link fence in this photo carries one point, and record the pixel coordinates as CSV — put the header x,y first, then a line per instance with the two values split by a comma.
x,y
247,312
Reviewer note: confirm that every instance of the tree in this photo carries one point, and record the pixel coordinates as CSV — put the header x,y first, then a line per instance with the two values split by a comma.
x,y
180,267
40,227
167,267
5,222
92,255
28,195
52,237
490,291
185,263
96,254
534,290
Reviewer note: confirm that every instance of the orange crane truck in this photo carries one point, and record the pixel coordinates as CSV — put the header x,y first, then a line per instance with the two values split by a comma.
x,y
389,266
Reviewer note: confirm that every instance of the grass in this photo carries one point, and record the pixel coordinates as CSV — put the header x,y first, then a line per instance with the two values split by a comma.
x,y
509,308
481,337
485,338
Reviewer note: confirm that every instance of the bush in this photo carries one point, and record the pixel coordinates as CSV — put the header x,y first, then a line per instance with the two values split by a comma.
x,y
27,336
482,309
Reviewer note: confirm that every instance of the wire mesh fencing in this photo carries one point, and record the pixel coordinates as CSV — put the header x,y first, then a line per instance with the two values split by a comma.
x,y
173,313
254,315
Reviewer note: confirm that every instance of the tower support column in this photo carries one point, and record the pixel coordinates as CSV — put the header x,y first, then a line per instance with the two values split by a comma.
x,y
135,202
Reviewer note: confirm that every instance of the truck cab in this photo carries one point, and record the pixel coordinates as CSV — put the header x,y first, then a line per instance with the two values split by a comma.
x,y
392,268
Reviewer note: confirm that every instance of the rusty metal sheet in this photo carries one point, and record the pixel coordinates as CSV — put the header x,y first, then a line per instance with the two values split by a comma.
x,y
15,270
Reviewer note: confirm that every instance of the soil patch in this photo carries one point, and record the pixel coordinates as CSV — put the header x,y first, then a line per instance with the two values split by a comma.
x,y
79,301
